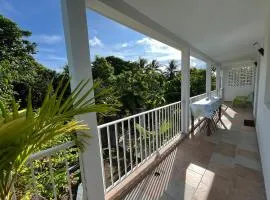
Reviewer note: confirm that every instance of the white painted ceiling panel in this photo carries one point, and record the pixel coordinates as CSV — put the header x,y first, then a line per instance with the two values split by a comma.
x,y
223,29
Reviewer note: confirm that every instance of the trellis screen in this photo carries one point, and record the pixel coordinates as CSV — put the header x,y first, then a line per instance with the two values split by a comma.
x,y
241,77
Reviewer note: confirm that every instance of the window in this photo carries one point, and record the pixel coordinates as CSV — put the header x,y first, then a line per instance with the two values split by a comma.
x,y
241,77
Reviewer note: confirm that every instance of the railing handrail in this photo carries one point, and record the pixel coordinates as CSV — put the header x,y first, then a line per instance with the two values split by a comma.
x,y
136,115
143,113
50,151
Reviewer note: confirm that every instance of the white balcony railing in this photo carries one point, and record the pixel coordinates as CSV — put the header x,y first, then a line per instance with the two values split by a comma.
x,y
125,144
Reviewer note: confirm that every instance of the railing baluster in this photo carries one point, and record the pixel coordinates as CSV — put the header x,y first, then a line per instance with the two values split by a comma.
x,y
34,179
153,131
117,150
170,121
52,178
178,119
149,136
136,145
140,131
165,121
110,153
67,173
156,122
174,120
145,136
159,133
102,160
162,120
124,148
130,145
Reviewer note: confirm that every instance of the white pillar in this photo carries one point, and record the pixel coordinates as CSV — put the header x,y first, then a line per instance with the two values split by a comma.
x,y
76,36
208,79
218,80
185,90
221,82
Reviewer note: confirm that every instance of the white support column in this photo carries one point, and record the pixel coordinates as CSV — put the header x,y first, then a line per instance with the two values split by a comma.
x,y
185,90
76,36
218,80
208,79
221,91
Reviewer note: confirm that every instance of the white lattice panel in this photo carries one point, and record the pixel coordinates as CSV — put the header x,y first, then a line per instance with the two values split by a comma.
x,y
241,76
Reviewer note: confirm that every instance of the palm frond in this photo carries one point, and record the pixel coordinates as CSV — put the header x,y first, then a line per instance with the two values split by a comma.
x,y
25,132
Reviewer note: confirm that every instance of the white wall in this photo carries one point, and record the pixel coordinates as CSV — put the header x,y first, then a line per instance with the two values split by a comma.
x,y
263,112
231,92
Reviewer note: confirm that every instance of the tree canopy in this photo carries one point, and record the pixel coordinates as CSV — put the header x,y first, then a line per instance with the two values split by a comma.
x,y
135,85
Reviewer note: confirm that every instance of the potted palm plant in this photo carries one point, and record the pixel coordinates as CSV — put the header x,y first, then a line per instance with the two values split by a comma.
x,y
24,132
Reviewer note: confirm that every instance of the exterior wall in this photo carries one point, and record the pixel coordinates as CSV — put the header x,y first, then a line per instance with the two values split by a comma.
x,y
263,111
231,92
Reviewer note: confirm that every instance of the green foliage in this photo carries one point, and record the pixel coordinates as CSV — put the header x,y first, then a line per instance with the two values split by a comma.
x,y
12,40
120,65
197,81
241,102
173,89
25,132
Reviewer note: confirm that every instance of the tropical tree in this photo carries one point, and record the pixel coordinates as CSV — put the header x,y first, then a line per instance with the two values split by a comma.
x,y
120,65
171,69
154,64
142,63
25,132
18,68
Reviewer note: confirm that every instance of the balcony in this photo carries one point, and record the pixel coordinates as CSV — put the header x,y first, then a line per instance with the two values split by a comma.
x,y
153,155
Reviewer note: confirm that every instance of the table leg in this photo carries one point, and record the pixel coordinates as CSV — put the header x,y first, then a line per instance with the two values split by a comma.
x,y
208,126
219,113
192,124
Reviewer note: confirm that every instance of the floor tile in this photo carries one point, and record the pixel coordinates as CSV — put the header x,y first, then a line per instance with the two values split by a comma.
x,y
249,163
221,159
207,192
226,149
180,190
247,154
247,173
166,196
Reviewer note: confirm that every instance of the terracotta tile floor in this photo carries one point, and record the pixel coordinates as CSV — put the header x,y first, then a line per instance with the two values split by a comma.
x,y
225,165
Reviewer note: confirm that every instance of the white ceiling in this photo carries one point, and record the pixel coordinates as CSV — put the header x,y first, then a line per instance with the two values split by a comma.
x,y
222,29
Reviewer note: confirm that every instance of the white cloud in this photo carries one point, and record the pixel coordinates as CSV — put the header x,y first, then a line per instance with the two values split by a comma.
x,y
47,39
58,58
124,45
95,42
158,50
147,48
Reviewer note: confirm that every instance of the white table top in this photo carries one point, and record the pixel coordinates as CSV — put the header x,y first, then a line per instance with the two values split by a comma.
x,y
207,101
205,107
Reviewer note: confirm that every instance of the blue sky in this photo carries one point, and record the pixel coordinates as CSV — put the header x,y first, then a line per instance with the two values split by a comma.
x,y
106,37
